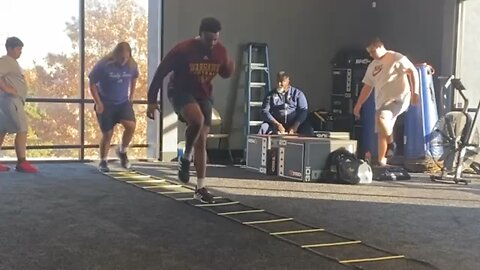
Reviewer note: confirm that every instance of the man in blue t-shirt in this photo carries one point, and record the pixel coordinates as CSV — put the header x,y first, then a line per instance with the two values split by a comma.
x,y
285,110
112,85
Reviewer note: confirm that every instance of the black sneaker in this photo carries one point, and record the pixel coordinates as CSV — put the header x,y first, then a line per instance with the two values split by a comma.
x,y
103,166
184,170
203,195
123,159
391,148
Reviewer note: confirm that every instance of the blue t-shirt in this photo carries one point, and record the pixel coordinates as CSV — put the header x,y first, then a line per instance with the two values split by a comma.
x,y
113,81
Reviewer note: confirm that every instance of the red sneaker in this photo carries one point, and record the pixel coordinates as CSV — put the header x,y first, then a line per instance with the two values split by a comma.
x,y
26,167
4,168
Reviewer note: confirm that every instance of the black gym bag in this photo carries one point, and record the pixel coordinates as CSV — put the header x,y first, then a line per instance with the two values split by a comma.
x,y
343,167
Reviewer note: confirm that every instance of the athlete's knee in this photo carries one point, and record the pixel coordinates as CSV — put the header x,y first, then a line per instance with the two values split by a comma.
x,y
129,125
107,136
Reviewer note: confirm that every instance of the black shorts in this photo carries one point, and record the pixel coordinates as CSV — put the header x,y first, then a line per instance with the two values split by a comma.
x,y
113,114
180,99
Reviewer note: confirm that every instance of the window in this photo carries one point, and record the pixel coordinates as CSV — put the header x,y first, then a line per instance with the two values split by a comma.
x,y
51,62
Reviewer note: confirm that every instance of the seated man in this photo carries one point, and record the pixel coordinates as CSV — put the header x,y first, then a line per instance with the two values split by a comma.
x,y
285,110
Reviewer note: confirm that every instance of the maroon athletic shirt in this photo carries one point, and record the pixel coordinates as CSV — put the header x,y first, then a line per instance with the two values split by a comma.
x,y
194,67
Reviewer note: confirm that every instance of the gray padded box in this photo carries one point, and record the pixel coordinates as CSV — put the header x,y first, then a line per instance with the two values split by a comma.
x,y
262,153
304,158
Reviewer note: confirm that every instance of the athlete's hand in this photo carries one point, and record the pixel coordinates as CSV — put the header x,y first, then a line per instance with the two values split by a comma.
x,y
151,110
356,111
414,99
99,108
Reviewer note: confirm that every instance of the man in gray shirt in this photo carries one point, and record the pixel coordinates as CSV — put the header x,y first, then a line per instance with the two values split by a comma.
x,y
13,91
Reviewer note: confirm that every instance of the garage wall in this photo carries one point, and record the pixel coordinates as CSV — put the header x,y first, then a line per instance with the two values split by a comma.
x,y
303,36
421,29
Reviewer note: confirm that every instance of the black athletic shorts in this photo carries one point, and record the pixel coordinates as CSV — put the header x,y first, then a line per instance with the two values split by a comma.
x,y
180,99
113,114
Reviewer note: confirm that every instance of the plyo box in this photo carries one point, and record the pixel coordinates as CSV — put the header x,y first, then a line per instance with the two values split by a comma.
x,y
262,153
304,158
332,135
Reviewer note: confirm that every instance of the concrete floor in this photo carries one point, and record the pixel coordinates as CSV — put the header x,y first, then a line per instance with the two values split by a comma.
x,y
71,217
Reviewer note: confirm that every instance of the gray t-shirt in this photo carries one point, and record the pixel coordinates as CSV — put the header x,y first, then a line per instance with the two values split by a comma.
x,y
12,74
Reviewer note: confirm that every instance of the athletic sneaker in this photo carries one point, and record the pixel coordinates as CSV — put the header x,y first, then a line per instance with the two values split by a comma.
x,y
103,166
26,167
4,168
184,170
391,148
203,195
123,159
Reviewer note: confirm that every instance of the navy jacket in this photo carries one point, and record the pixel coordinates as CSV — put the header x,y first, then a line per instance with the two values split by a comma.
x,y
287,108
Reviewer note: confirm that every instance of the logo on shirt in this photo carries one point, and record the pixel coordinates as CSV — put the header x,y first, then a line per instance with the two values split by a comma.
x,y
377,70
204,71
119,77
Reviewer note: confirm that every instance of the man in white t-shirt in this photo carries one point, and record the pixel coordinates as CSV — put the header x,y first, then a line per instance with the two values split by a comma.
x,y
396,84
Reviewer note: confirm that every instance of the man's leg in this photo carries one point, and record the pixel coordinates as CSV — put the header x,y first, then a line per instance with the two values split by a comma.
x,y
105,144
201,193
20,118
192,114
385,130
107,123
127,136
3,168
104,148
2,138
200,156
129,130
127,120
21,146
305,129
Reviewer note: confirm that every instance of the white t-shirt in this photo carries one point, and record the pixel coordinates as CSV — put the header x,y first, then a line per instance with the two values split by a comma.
x,y
11,73
388,76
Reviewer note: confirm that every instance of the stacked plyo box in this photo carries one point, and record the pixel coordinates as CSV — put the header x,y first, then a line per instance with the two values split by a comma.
x,y
262,153
304,158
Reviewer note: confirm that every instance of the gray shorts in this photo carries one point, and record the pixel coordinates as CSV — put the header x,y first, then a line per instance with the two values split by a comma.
x,y
12,115
390,111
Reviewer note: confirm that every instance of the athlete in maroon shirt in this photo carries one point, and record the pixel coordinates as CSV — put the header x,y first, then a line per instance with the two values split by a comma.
x,y
194,63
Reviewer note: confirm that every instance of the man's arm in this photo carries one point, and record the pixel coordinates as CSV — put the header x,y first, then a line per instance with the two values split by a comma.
x,y
301,111
7,88
94,77
228,65
414,82
165,67
364,94
266,114
226,69
96,97
133,84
